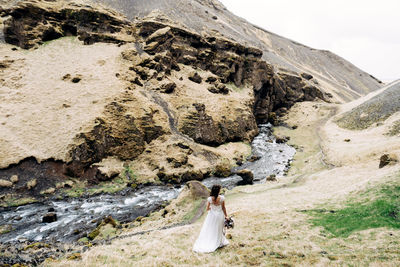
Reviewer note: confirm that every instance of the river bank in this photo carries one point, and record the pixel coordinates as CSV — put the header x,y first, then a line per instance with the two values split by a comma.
x,y
78,217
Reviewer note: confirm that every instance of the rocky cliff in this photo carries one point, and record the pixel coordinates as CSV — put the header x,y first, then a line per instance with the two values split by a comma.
x,y
334,74
94,92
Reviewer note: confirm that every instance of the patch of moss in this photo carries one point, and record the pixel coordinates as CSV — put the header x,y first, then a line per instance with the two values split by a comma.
x,y
75,192
370,212
233,87
107,231
15,202
4,229
196,206
36,245
92,235
74,256
107,187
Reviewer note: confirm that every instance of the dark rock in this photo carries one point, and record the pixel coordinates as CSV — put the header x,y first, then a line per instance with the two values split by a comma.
x,y
247,176
253,158
168,87
195,77
271,178
347,140
222,89
49,217
387,159
76,79
273,118
137,81
307,76
282,139
211,79
51,209
219,89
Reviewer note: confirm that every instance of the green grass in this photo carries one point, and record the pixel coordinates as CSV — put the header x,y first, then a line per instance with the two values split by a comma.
x,y
196,206
381,211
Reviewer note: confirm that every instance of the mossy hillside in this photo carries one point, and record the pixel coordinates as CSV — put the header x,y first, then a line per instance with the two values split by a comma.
x,y
127,178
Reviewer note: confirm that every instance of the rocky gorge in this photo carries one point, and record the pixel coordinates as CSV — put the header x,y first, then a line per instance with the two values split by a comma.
x,y
185,99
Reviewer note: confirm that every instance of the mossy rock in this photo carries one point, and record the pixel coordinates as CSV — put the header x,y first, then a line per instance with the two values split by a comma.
x,y
197,189
36,245
74,256
5,229
84,240
93,234
223,170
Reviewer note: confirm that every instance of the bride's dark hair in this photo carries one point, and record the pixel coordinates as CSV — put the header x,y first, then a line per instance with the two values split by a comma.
x,y
215,190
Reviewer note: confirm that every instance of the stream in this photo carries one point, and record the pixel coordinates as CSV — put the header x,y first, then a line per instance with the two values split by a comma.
x,y
81,215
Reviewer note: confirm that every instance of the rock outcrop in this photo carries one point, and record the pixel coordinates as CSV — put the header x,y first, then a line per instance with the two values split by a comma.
x,y
32,23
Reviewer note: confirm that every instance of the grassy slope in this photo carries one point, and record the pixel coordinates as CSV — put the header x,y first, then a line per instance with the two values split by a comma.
x,y
272,228
383,210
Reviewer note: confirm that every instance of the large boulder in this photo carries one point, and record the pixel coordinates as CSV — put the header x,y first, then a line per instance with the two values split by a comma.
x,y
49,217
197,189
247,176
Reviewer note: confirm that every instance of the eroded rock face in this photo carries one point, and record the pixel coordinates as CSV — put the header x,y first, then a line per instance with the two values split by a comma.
x,y
203,129
33,23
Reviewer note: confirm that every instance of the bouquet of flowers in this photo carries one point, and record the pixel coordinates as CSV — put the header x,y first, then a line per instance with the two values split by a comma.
x,y
229,223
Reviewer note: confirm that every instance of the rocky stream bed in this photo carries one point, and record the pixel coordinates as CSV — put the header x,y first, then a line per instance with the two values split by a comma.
x,y
76,218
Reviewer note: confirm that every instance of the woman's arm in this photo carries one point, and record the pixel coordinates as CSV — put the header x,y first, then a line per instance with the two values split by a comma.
x,y
224,209
208,206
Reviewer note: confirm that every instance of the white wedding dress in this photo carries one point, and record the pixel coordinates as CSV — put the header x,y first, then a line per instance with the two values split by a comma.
x,y
212,235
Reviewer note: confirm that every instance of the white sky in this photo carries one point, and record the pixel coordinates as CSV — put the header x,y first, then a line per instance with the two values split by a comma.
x,y
365,32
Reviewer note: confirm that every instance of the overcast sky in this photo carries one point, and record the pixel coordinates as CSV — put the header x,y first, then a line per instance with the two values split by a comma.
x,y
365,32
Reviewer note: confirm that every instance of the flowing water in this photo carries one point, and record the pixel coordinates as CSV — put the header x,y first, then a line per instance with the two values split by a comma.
x,y
78,216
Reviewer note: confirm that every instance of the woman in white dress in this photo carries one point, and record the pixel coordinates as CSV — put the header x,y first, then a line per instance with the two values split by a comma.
x,y
212,235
